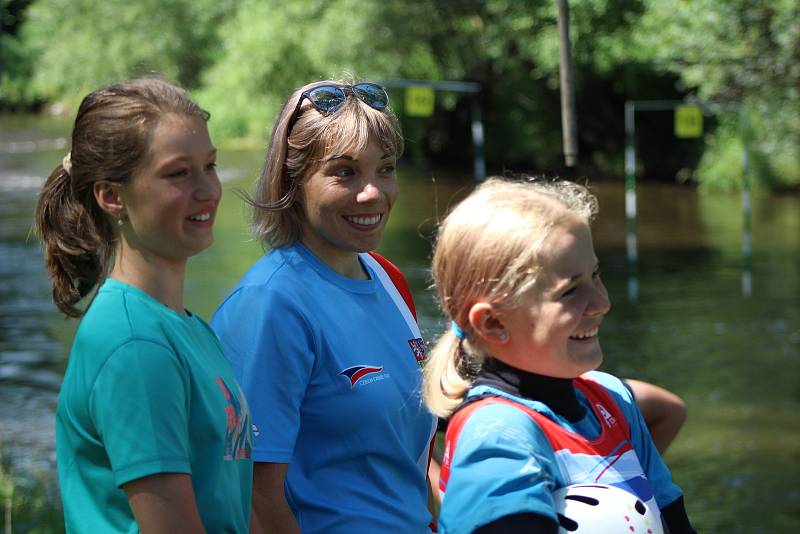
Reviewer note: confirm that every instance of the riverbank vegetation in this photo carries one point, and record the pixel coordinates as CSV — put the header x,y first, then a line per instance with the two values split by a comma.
x,y
241,59
28,503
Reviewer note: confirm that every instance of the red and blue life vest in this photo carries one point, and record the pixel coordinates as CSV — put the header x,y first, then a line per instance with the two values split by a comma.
x,y
607,459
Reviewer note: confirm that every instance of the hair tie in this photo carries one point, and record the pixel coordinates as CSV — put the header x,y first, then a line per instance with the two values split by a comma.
x,y
459,333
66,163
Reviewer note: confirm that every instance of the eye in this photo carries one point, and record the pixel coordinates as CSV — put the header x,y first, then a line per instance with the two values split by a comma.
x,y
212,167
569,291
389,168
596,273
178,173
344,172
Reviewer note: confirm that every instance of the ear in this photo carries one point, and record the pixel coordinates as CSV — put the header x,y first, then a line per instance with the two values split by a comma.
x,y
486,324
108,198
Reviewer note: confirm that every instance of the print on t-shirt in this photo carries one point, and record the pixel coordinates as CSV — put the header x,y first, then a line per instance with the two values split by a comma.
x,y
238,440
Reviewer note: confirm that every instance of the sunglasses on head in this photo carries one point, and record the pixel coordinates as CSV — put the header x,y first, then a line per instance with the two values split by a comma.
x,y
330,97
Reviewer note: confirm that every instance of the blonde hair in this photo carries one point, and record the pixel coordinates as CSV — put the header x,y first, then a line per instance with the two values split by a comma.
x,y
488,249
278,215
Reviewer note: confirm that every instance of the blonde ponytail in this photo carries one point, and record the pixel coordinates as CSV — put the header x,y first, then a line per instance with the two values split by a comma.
x,y
446,375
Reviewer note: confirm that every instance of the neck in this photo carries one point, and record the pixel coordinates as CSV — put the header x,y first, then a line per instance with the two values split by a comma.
x,y
345,263
352,269
557,393
160,278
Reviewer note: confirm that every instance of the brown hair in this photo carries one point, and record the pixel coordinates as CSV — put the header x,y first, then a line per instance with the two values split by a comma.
x,y
110,140
278,217
488,249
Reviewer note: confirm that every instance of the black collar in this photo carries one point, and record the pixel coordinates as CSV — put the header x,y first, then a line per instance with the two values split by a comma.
x,y
557,393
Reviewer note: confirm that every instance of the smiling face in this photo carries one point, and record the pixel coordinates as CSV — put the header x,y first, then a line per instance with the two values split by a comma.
x,y
346,204
553,331
172,199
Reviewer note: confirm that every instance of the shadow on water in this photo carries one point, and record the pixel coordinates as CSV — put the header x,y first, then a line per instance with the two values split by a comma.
x,y
735,360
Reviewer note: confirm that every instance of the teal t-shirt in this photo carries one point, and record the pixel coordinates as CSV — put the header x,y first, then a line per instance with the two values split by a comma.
x,y
149,391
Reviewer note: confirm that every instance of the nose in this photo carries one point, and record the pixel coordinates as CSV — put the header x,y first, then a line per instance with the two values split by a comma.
x,y
369,192
599,303
207,186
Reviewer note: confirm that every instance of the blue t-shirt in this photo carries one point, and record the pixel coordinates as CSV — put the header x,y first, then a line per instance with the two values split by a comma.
x,y
148,391
328,366
504,463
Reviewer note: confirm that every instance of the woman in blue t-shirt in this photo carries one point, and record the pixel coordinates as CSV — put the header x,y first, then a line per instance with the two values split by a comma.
x,y
321,331
152,431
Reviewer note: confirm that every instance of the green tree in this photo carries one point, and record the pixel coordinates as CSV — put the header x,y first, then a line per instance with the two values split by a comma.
x,y
741,50
245,57
272,47
509,46
80,44
16,61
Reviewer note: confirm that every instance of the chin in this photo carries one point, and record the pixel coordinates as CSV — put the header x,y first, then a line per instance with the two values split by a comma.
x,y
587,363
595,363
197,249
366,247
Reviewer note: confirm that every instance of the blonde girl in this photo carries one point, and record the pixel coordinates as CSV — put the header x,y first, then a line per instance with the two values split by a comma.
x,y
517,276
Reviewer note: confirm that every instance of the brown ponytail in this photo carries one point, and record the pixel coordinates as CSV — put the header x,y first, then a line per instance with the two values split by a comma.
x,y
76,250
110,140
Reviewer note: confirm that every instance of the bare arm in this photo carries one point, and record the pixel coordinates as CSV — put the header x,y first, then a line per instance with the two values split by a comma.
x,y
164,503
433,502
434,470
255,524
270,510
663,411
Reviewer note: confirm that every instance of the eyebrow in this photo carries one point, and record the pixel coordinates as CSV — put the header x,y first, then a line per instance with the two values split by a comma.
x,y
351,158
576,277
339,156
182,157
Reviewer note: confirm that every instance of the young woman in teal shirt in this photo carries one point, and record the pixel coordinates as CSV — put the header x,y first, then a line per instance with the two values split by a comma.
x,y
152,431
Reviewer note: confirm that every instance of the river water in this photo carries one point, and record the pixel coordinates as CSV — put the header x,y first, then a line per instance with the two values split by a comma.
x,y
733,355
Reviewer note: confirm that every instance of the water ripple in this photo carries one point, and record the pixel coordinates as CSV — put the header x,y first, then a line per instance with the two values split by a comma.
x,y
20,182
28,147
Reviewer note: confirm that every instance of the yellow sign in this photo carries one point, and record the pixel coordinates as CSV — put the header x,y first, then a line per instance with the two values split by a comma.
x,y
688,121
419,101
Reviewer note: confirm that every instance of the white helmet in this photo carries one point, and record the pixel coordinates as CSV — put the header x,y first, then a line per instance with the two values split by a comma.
x,y
602,509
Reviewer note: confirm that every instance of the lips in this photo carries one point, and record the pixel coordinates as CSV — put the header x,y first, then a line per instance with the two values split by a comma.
x,y
586,334
203,218
364,220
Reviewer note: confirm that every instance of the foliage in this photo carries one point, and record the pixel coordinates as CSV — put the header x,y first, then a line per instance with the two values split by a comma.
x,y
15,59
773,157
272,47
511,48
244,58
16,91
728,49
741,51
80,44
34,502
